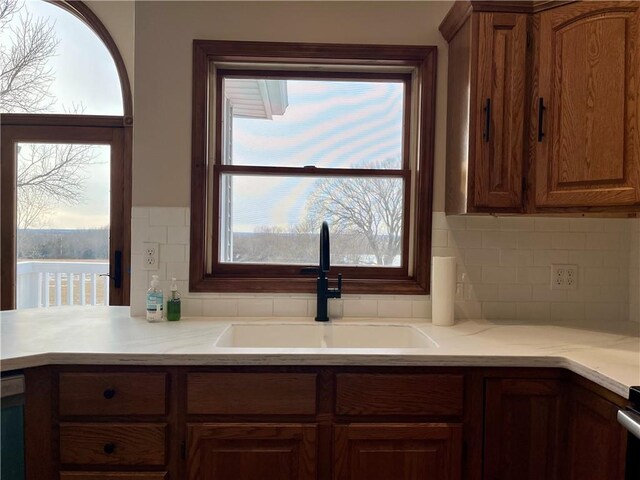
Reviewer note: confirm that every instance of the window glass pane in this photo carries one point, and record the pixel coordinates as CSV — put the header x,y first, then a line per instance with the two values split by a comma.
x,y
321,123
276,219
63,219
51,62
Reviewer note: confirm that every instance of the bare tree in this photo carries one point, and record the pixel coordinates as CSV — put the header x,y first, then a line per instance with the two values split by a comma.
x,y
26,47
368,207
48,174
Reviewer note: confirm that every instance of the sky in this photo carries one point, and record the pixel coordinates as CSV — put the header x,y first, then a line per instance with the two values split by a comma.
x,y
84,74
336,124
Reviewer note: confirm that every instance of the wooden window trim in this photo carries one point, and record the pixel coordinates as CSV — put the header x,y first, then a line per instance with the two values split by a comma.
x,y
208,278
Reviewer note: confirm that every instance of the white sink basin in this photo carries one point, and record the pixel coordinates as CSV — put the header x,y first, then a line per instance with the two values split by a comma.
x,y
315,335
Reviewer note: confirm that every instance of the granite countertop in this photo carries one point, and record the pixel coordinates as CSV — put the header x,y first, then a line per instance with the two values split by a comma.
x,y
607,354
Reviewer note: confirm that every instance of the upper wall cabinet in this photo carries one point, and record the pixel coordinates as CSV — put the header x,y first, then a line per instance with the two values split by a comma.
x,y
587,148
543,107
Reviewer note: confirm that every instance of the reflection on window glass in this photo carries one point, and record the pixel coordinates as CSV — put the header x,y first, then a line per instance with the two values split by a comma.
x,y
321,123
276,219
51,62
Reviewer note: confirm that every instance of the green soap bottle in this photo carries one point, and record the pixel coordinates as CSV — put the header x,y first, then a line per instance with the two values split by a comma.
x,y
173,303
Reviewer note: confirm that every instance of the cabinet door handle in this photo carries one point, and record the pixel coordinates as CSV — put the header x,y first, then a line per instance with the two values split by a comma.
x,y
541,109
109,393
487,120
109,448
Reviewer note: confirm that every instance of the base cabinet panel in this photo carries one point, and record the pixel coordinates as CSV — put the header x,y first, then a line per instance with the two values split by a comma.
x,y
251,451
397,451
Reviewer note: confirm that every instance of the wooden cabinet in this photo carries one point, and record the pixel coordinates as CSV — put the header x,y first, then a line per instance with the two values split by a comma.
x,y
597,442
523,429
587,111
397,451
251,451
543,107
486,113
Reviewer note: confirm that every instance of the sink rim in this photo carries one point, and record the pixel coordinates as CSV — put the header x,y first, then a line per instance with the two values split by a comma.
x,y
324,328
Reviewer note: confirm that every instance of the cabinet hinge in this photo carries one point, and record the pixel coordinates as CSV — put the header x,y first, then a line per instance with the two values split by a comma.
x,y
183,449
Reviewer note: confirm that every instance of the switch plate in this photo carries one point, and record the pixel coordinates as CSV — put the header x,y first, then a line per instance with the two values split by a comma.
x,y
150,256
564,277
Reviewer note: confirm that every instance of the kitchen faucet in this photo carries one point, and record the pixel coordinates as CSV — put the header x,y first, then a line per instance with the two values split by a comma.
x,y
324,293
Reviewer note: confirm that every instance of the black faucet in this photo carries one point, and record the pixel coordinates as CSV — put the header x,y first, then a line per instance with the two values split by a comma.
x,y
324,293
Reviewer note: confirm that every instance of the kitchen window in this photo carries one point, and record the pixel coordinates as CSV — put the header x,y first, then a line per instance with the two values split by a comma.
x,y
288,135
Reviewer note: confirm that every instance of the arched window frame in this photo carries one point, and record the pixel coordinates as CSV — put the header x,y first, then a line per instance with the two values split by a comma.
x,y
117,129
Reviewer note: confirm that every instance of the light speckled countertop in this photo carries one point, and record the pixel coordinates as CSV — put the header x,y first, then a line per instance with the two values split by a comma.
x,y
607,354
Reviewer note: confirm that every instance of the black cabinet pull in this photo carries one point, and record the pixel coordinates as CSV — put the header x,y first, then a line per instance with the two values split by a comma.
x,y
487,120
109,393
541,109
116,276
109,448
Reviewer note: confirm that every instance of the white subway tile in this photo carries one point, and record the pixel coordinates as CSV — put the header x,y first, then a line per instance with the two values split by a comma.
x,y
586,258
499,310
289,307
191,307
439,221
491,274
534,240
483,293
544,293
140,213
179,270
360,308
544,258
421,309
498,239
618,224
139,278
514,293
155,234
482,256
469,274
512,258
167,216
603,241
586,224
534,275
394,309
483,222
439,238
551,224
604,312
568,241
533,311
172,253
599,276
465,238
220,307
516,223
456,222
138,303
563,311
255,307
178,235
466,310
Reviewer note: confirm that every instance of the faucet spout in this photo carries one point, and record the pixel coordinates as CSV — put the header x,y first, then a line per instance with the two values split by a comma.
x,y
323,291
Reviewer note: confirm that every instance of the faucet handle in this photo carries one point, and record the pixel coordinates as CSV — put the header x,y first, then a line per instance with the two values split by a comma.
x,y
339,283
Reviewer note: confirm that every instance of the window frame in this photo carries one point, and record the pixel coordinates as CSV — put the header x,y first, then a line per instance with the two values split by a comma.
x,y
206,272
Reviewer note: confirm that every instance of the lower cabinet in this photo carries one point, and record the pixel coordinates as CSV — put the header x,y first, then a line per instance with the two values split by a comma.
x,y
319,423
251,451
431,451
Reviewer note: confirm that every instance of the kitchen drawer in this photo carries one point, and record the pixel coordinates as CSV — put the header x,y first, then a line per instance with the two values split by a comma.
x,y
390,394
112,443
112,393
251,393
113,476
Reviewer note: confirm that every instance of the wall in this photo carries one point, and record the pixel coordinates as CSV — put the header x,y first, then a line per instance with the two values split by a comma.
x,y
634,271
503,263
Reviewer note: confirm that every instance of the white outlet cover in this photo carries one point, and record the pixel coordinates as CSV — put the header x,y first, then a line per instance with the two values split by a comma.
x,y
564,277
150,256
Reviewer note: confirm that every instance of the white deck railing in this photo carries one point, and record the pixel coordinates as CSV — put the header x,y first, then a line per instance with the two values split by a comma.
x,y
58,282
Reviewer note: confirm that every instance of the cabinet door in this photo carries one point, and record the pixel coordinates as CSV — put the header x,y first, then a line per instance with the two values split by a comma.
x,y
251,451
596,440
499,136
397,451
523,429
587,109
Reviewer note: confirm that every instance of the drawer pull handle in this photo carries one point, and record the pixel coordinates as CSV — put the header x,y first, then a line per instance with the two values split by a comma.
x,y
109,448
109,393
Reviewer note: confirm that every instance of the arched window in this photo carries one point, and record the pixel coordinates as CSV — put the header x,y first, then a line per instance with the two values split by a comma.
x,y
66,128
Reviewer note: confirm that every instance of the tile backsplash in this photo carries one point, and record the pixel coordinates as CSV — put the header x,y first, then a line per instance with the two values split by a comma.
x,y
504,271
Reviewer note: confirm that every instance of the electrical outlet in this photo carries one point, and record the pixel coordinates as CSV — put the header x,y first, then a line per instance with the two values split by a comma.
x,y
564,277
150,259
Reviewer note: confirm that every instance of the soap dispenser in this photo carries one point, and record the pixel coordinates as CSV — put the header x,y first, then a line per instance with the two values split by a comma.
x,y
173,302
155,300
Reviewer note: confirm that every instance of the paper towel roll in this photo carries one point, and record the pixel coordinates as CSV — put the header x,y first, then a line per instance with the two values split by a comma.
x,y
443,290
